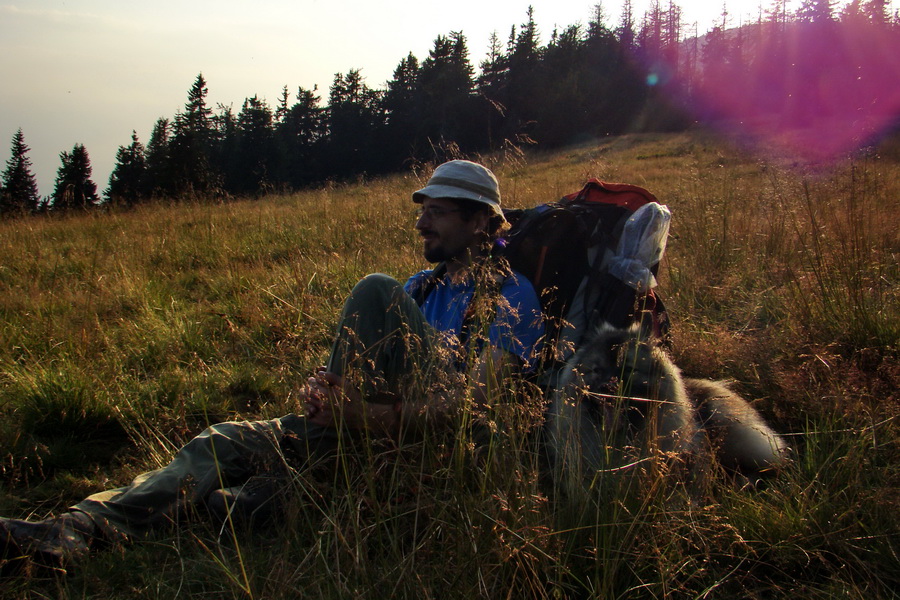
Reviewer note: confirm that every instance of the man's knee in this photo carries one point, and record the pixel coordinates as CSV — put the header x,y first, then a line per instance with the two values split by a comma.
x,y
376,290
236,437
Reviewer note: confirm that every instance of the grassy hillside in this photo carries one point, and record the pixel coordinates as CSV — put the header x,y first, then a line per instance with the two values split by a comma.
x,y
125,333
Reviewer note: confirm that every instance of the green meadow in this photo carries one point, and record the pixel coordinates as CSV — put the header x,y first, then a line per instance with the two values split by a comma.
x,y
126,332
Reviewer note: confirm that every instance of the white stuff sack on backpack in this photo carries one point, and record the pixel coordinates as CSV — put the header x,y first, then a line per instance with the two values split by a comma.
x,y
641,245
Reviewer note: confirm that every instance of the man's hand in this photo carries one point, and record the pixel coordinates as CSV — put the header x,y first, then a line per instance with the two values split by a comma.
x,y
330,402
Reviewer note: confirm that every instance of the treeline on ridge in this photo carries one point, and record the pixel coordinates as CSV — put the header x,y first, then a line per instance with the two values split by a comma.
x,y
587,81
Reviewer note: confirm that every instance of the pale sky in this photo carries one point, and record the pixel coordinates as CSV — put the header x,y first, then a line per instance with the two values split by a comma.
x,y
91,71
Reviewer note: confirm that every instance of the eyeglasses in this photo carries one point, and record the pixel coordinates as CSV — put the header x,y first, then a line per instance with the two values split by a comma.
x,y
435,212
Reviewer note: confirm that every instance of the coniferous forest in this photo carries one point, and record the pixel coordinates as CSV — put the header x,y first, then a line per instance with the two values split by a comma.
x,y
587,81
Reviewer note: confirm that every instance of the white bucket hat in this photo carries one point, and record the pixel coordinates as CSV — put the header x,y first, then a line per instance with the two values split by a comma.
x,y
462,179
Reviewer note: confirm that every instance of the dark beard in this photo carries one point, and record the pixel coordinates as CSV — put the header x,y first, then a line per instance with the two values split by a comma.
x,y
440,253
436,255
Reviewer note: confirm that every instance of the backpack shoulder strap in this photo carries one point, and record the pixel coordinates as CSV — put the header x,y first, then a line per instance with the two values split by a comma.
x,y
424,289
484,300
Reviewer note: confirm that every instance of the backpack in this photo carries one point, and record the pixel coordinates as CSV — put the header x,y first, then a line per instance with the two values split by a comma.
x,y
571,250
574,254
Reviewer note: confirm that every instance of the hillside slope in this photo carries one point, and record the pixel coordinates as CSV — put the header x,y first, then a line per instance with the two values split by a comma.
x,y
126,332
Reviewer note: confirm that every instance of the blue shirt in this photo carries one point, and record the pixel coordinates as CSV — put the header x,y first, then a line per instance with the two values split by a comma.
x,y
517,328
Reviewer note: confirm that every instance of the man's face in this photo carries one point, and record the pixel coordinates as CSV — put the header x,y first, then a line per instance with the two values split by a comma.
x,y
447,236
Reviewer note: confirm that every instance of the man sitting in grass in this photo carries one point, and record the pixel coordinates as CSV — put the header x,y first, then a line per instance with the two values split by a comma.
x,y
395,369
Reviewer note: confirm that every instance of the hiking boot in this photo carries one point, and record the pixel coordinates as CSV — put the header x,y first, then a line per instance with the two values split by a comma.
x,y
257,500
52,542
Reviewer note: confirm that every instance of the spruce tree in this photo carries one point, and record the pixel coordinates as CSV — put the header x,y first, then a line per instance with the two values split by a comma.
x,y
254,170
403,105
126,183
74,188
560,114
300,138
19,188
877,11
354,122
493,88
159,180
524,78
493,68
815,11
447,82
281,111
226,157
191,145
625,32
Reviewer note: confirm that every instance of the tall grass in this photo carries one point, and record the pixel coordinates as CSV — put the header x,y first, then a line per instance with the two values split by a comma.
x,y
127,332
